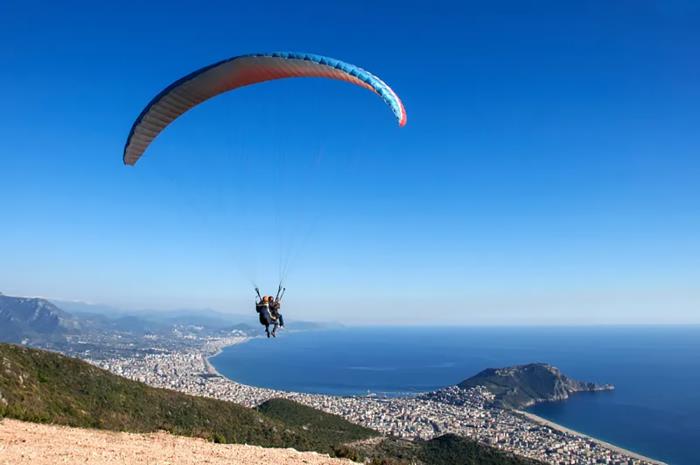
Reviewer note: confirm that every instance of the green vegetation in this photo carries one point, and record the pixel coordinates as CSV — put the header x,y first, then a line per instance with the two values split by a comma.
x,y
383,451
326,428
47,387
449,449
457,450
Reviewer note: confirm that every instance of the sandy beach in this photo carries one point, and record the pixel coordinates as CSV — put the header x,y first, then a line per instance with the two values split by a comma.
x,y
564,429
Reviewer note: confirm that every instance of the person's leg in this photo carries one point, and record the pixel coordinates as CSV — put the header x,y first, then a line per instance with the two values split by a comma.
x,y
265,318
281,319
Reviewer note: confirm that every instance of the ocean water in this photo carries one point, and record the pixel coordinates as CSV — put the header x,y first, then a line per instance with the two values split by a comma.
x,y
655,409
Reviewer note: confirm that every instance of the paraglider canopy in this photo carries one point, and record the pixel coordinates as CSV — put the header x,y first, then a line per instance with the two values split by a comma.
x,y
240,71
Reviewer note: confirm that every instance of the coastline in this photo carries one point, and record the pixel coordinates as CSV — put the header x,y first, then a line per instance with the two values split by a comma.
x,y
218,348
451,410
211,350
556,426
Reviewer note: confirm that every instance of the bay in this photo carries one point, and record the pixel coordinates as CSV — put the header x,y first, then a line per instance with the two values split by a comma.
x,y
654,410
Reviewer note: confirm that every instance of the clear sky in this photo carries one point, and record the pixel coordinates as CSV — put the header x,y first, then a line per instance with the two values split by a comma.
x,y
549,172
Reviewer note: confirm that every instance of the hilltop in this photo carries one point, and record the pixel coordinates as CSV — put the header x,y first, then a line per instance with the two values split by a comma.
x,y
327,428
448,449
524,385
24,443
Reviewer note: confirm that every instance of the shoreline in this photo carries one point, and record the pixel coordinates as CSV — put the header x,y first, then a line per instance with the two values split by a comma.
x,y
556,426
216,349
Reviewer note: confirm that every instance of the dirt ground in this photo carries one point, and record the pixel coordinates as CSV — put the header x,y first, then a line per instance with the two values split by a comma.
x,y
24,443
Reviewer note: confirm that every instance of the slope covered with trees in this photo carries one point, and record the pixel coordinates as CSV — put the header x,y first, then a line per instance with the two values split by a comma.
x,y
47,387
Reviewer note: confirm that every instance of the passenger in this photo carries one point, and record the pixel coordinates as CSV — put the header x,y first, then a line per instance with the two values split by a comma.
x,y
263,308
275,305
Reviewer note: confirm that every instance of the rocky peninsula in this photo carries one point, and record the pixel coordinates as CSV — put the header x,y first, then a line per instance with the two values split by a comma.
x,y
522,386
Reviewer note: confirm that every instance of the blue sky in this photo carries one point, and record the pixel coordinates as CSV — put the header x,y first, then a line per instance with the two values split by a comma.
x,y
548,173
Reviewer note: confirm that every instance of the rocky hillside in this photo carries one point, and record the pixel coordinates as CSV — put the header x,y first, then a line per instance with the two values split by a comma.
x,y
524,385
33,319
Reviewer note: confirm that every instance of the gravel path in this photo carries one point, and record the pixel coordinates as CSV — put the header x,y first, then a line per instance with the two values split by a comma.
x,y
24,443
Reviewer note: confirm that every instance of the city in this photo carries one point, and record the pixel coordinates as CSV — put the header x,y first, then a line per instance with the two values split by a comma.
x,y
450,410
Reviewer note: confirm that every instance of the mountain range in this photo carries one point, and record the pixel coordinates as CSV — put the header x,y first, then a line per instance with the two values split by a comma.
x,y
33,319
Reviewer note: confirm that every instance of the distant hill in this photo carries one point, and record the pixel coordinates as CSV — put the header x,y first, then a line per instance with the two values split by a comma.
x,y
457,450
60,325
525,385
329,429
85,308
33,319
448,449
77,327
40,322
152,319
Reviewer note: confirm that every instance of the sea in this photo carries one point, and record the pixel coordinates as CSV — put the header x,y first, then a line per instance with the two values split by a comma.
x,y
654,410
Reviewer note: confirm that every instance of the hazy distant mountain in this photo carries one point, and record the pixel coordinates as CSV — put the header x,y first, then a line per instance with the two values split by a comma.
x,y
85,328
524,385
313,325
133,320
39,322
31,319
204,317
85,308
186,317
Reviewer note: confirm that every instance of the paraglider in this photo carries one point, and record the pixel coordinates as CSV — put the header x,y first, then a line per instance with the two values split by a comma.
x,y
233,73
268,309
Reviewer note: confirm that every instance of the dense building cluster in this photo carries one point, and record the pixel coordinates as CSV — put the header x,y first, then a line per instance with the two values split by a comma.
x,y
451,410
